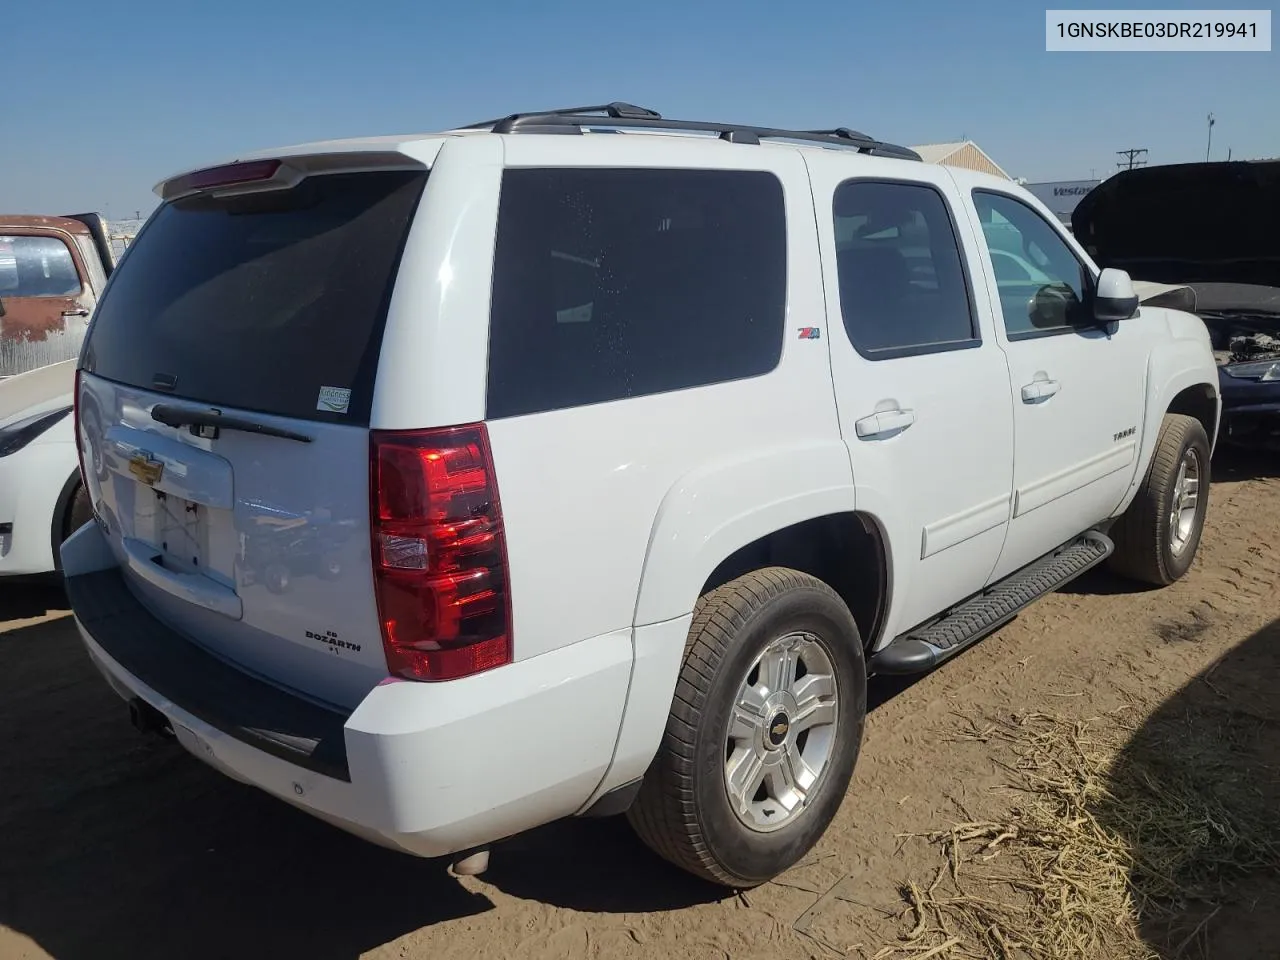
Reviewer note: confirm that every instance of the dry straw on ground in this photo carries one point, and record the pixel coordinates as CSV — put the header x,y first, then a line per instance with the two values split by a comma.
x,y
1109,837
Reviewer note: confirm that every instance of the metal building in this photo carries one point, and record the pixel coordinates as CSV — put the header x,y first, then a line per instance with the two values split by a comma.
x,y
964,154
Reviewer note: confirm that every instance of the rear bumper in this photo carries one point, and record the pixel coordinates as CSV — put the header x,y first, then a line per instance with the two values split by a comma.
x,y
429,769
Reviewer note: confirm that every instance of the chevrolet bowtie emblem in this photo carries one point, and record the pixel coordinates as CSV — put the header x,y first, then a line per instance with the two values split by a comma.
x,y
146,468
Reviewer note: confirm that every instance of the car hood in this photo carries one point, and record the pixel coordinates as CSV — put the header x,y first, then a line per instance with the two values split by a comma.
x,y
1187,223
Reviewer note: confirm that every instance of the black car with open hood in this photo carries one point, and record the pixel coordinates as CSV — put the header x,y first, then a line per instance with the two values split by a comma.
x,y
1213,227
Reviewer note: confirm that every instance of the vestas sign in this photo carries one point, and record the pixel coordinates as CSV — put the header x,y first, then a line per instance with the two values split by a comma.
x,y
1062,196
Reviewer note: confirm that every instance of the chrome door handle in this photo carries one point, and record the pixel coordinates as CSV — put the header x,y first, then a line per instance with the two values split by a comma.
x,y
888,421
1040,390
75,313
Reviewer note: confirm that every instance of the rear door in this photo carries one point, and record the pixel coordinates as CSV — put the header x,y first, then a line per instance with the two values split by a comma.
x,y
225,402
920,384
45,297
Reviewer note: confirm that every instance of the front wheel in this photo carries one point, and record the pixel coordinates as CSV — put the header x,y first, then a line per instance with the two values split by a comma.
x,y
764,730
1157,536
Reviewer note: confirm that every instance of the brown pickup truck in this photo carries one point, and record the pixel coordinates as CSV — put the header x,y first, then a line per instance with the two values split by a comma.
x,y
52,271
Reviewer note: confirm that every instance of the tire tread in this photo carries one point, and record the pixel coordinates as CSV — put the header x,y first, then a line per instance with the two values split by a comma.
x,y
1138,534
664,814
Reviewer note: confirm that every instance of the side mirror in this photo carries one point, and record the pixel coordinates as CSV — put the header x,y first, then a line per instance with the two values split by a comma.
x,y
1114,298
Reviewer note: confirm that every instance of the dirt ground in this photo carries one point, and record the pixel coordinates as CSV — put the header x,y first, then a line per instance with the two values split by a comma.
x,y
115,845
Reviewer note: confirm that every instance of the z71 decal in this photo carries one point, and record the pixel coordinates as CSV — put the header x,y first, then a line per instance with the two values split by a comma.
x,y
810,333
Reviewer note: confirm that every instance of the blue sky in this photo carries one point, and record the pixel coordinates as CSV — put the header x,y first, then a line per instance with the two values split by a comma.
x,y
104,99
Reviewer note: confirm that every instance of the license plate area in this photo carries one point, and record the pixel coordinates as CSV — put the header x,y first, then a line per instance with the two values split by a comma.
x,y
177,528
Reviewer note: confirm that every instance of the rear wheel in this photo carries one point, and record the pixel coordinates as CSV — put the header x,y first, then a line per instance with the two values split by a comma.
x,y
79,512
1157,536
763,733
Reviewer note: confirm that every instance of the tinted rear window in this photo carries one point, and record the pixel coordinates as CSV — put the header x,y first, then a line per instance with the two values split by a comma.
x,y
614,283
903,287
261,301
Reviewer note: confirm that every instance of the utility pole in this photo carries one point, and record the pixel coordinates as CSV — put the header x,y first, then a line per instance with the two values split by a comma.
x,y
1132,156
1209,146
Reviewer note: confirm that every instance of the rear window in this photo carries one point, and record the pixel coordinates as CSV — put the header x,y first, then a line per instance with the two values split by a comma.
x,y
903,288
610,284
274,302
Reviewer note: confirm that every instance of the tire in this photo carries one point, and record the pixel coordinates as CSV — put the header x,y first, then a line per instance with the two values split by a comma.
x,y
330,567
1147,549
683,811
276,577
79,511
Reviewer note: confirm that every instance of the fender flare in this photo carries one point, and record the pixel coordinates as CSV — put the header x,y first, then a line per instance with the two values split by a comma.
x,y
721,507
1171,368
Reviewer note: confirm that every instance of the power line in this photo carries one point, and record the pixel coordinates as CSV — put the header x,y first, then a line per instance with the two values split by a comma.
x,y
1135,157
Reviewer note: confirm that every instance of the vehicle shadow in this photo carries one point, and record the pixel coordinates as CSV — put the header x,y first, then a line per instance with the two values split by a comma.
x,y
1230,465
1194,795
1238,463
26,599
600,866
117,845
113,844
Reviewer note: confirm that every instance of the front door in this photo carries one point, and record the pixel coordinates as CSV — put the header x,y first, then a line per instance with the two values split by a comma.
x,y
1077,389
45,301
920,385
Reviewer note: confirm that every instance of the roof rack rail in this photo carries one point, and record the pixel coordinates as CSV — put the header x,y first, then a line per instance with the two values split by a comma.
x,y
626,116
616,111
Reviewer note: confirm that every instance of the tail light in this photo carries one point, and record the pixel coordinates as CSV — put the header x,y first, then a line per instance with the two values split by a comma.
x,y
75,425
250,174
233,173
439,553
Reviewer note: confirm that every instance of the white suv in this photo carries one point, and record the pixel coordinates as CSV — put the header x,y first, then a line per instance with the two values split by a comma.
x,y
449,485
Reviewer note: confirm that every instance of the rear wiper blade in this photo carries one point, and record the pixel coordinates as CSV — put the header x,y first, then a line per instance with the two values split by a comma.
x,y
212,421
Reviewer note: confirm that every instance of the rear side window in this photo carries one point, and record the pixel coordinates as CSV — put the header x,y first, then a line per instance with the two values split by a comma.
x,y
274,302
903,287
37,267
610,284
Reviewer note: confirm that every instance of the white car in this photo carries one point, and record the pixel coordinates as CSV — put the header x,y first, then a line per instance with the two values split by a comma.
x,y
42,500
448,485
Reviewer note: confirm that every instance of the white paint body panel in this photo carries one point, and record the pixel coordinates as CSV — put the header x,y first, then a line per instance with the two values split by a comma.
x,y
31,483
32,480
